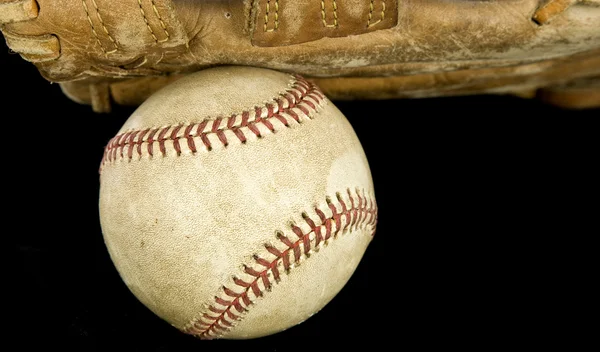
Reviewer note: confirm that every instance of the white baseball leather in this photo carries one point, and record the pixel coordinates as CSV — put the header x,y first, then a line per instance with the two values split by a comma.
x,y
236,202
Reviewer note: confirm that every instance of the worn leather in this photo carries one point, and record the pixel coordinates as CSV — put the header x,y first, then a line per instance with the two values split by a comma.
x,y
278,22
426,37
19,10
522,80
94,37
579,94
184,220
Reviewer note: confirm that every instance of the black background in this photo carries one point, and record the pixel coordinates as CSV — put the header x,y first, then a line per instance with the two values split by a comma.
x,y
459,182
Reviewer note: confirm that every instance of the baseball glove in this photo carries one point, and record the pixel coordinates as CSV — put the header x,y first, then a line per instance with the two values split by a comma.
x,y
107,51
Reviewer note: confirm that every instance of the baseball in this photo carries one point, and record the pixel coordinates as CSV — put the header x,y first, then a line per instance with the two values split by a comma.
x,y
236,202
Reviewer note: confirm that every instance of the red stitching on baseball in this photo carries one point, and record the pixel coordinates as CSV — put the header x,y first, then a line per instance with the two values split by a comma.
x,y
245,117
190,139
360,213
302,95
140,139
161,140
215,310
131,144
151,141
175,140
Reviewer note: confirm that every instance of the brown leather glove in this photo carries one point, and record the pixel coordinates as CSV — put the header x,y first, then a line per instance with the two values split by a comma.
x,y
105,51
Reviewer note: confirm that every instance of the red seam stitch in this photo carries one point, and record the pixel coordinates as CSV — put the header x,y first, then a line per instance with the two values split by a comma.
x,y
255,130
275,272
297,97
318,235
297,252
226,323
300,235
248,270
262,261
122,142
175,139
222,138
202,135
294,116
115,142
219,132
306,242
241,136
309,103
268,124
312,225
360,207
131,145
285,240
245,117
374,216
303,109
230,121
257,119
140,140
316,96
297,231
265,280
217,326
215,310
215,125
222,301
319,94
328,229
240,282
236,304
231,315
303,84
205,330
210,318
206,142
190,139
151,141
335,217
161,140
290,100
282,120
231,293
257,292
201,127
286,260
344,211
245,298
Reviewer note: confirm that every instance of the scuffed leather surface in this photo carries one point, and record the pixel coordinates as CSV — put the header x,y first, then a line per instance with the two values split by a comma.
x,y
178,228
284,22
496,80
36,49
17,10
578,94
219,32
432,37
103,38
527,78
